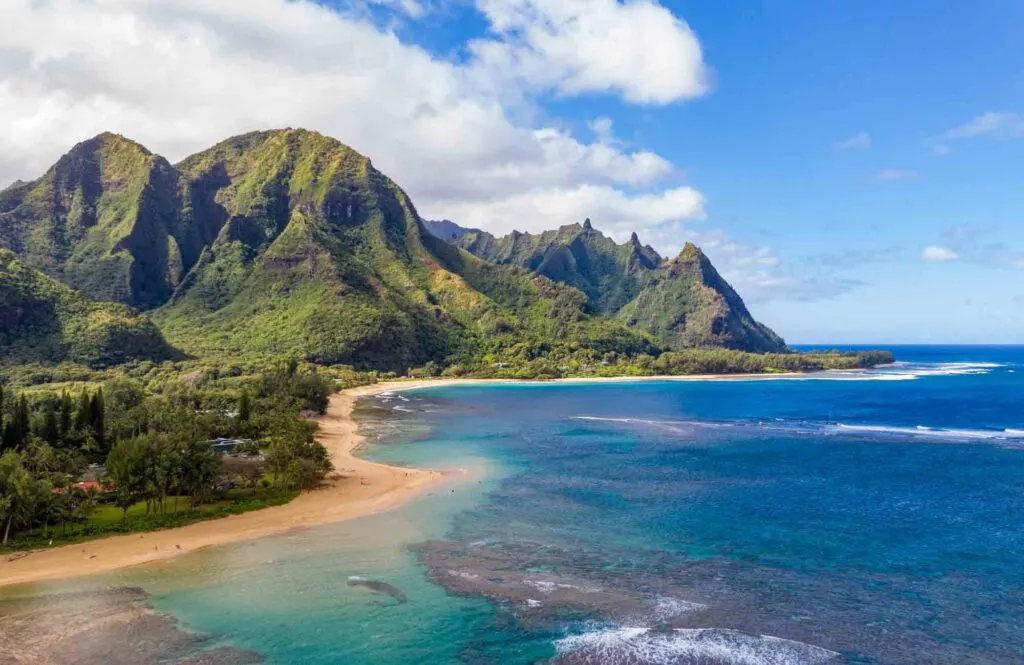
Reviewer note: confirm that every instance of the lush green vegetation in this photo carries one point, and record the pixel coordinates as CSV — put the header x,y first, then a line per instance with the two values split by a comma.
x,y
84,518
290,243
100,220
682,303
148,444
42,320
586,363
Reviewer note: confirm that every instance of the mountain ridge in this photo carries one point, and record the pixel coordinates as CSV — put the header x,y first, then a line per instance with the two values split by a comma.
x,y
288,242
683,302
285,242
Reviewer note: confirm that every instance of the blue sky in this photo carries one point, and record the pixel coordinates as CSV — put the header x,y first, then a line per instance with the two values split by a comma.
x,y
852,167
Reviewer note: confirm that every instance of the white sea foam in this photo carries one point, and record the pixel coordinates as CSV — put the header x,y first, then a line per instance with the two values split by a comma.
x,y
640,645
919,432
547,586
530,602
933,432
666,608
898,371
466,575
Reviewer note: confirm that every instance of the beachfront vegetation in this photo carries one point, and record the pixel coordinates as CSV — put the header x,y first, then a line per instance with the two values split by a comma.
x,y
144,449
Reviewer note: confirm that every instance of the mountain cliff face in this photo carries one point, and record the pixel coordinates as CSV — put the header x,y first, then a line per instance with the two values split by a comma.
x,y
285,242
688,304
42,320
103,220
683,303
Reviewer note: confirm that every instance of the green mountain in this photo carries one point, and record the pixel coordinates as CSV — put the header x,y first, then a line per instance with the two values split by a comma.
x,y
683,302
42,320
286,243
103,220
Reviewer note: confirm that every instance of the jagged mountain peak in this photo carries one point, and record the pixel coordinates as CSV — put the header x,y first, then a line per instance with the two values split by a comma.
x,y
683,301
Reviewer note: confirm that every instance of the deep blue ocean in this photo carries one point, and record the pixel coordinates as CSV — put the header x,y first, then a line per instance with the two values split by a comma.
x,y
861,518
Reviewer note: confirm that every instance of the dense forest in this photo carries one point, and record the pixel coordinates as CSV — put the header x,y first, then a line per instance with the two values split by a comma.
x,y
147,449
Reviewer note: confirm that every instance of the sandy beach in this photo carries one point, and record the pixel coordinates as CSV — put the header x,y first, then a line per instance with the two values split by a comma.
x,y
357,488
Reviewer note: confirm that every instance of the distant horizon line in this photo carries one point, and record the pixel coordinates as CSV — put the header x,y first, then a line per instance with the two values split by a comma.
x,y
937,344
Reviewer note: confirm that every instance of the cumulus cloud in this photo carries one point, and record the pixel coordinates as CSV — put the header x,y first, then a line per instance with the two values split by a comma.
x,y
178,75
616,213
859,141
637,48
935,253
994,124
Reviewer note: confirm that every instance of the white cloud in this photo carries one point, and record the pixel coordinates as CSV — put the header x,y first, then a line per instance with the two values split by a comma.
x,y
895,174
610,210
859,141
637,48
602,129
935,253
179,75
755,271
996,124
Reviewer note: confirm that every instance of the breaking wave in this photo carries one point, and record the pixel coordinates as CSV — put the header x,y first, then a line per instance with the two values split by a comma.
x,y
702,646
920,432
897,371
935,432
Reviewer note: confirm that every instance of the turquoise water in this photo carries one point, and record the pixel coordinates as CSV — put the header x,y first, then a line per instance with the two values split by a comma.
x,y
858,518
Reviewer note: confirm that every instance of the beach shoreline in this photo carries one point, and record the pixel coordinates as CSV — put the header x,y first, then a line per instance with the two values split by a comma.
x,y
357,488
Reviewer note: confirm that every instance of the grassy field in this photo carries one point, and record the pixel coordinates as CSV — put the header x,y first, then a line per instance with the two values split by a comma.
x,y
109,520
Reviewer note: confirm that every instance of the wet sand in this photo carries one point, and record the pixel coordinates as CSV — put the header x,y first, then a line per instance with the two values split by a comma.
x,y
102,627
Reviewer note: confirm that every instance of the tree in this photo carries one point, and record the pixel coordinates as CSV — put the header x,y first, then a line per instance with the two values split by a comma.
x,y
40,459
244,407
164,467
247,468
313,391
66,415
22,420
126,469
97,410
83,415
16,493
123,401
74,506
49,425
294,454
200,468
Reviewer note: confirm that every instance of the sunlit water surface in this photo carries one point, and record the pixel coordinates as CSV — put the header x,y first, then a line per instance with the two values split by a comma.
x,y
848,518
